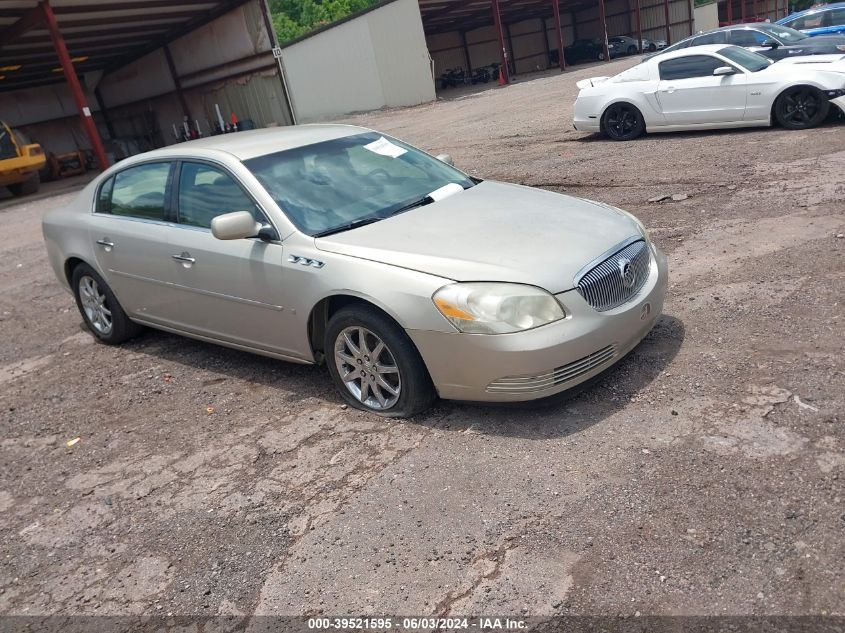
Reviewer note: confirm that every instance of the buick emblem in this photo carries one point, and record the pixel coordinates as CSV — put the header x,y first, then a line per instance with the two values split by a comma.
x,y
627,272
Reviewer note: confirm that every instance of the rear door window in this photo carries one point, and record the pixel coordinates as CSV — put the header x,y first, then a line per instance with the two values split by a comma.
x,y
748,37
688,67
139,192
717,37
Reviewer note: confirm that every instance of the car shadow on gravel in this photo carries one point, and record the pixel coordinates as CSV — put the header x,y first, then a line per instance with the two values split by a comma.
x,y
209,367
576,409
835,119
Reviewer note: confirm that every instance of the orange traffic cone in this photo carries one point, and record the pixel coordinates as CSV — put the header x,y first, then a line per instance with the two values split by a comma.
x,y
501,78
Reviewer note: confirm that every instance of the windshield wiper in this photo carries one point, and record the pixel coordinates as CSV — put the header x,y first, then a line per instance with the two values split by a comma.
x,y
413,205
346,227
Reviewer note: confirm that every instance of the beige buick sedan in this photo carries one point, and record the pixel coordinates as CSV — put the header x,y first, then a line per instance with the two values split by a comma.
x,y
338,244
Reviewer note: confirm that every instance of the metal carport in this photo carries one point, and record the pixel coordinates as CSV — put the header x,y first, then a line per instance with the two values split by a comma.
x,y
94,39
669,19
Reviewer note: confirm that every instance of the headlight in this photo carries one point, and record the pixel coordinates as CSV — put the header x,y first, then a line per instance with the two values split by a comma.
x,y
496,308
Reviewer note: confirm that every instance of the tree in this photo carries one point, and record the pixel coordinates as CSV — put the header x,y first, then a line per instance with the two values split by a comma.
x,y
294,18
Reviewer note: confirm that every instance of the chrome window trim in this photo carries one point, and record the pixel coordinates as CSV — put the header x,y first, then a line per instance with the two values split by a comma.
x,y
114,174
174,160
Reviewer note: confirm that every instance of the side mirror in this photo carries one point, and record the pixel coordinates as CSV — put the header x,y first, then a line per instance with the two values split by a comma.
x,y
234,226
770,43
724,70
445,158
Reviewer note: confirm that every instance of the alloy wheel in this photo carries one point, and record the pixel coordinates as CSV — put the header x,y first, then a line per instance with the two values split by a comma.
x,y
800,107
620,121
93,301
367,368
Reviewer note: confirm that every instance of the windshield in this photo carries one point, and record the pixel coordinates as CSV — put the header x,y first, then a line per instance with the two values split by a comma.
x,y
785,34
328,185
747,59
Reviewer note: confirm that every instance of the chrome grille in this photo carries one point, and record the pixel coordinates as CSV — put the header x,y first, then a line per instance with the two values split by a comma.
x,y
557,376
605,287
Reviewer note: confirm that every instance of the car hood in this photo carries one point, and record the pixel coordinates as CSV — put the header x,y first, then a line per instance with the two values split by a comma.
x,y
830,63
493,232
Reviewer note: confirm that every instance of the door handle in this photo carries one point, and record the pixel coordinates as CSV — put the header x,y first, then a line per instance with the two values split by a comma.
x,y
185,258
668,89
106,244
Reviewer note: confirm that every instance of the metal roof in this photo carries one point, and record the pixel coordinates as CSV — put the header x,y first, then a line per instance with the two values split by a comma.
x,y
450,15
101,35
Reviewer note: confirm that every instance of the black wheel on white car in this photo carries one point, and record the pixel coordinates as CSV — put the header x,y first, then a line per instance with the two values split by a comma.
x,y
100,309
374,364
622,122
801,107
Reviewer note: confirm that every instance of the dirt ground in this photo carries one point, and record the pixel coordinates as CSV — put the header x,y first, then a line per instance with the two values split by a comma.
x,y
702,475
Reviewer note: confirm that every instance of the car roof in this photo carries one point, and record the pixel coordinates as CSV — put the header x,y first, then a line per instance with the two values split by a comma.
x,y
811,10
252,143
690,50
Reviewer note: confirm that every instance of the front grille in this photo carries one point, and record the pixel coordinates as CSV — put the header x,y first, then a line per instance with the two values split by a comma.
x,y
604,286
557,376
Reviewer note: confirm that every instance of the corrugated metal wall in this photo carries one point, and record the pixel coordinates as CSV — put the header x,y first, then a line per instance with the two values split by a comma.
x,y
765,10
529,49
374,60
227,61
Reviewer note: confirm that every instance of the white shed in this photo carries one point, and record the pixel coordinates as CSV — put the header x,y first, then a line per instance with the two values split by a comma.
x,y
374,59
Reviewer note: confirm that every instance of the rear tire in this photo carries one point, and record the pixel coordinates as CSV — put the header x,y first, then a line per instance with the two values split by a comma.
x,y
632,50
382,371
801,107
100,309
27,187
622,122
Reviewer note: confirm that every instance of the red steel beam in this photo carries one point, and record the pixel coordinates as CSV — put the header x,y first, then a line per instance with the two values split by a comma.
x,y
742,9
558,34
691,9
500,35
731,11
668,20
639,28
603,20
73,83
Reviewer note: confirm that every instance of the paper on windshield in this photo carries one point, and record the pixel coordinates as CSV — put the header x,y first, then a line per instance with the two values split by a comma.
x,y
385,148
445,191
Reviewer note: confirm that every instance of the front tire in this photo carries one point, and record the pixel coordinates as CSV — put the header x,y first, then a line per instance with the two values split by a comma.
x,y
102,313
374,364
27,187
801,107
622,122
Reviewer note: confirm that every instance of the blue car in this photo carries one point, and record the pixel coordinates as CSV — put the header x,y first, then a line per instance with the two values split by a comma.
x,y
828,19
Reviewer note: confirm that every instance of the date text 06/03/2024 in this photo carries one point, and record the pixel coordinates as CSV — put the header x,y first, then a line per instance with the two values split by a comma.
x,y
416,623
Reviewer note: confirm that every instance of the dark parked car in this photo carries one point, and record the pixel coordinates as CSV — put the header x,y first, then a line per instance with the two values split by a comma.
x,y
584,51
772,40
622,45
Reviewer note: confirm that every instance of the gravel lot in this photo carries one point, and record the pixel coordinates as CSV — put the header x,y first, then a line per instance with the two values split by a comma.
x,y
703,475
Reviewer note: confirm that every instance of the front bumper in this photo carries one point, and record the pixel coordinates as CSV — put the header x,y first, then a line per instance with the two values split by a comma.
x,y
546,360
